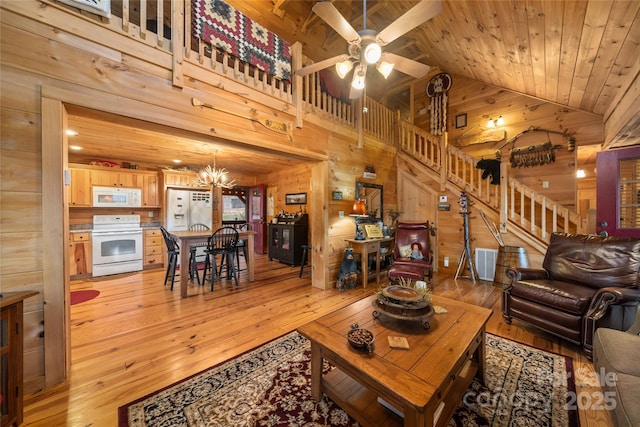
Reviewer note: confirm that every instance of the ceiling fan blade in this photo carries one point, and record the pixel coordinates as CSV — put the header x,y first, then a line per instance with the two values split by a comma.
x,y
331,15
408,66
415,16
321,65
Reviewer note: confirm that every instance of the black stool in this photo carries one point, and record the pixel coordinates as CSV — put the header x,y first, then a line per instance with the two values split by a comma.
x,y
303,261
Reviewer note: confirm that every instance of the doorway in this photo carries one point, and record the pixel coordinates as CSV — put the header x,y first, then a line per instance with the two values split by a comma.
x,y
54,147
618,192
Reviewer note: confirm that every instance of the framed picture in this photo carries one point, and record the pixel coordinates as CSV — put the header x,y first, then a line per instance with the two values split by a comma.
x,y
461,121
336,195
296,199
99,7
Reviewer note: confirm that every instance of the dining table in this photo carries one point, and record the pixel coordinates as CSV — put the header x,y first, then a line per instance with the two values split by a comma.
x,y
187,238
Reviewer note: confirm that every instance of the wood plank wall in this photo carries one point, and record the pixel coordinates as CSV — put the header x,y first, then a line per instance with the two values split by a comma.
x,y
480,101
134,84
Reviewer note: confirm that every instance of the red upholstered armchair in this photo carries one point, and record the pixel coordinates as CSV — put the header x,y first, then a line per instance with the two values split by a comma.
x,y
413,251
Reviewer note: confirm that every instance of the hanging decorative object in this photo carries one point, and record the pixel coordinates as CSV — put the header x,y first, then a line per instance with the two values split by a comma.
x,y
279,127
437,89
226,29
533,155
211,176
571,141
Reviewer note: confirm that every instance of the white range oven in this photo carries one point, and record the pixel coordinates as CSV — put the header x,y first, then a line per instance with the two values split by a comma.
x,y
116,244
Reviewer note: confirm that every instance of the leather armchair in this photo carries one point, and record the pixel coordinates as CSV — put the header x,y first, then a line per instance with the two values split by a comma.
x,y
586,282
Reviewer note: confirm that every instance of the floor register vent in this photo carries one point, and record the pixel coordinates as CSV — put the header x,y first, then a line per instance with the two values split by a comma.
x,y
486,263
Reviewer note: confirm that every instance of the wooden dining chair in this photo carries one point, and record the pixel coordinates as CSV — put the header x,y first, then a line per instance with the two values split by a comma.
x,y
193,261
173,252
222,242
242,246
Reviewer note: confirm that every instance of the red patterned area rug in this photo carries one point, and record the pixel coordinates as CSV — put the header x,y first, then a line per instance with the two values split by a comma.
x,y
269,386
83,295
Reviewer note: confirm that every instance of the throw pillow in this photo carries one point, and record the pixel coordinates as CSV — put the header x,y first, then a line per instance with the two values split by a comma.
x,y
405,251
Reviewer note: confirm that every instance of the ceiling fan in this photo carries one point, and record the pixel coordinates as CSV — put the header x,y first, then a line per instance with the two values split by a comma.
x,y
365,46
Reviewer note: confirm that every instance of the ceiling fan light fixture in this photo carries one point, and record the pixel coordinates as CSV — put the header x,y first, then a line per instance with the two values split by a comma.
x,y
359,76
372,53
343,68
385,68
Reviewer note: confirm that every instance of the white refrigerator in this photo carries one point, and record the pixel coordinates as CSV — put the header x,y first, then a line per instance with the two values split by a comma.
x,y
187,207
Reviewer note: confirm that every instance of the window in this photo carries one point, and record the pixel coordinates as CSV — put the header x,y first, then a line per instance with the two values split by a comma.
x,y
234,205
630,193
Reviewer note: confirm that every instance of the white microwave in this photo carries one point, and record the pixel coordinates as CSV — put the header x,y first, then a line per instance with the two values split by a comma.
x,y
111,197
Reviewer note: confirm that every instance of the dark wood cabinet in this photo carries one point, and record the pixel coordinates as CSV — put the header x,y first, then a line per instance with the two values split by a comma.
x,y
287,236
11,357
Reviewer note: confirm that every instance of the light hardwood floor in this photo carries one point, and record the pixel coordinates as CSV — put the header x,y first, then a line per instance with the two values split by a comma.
x,y
137,336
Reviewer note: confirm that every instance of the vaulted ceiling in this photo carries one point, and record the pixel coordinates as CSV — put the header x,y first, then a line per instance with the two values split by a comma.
x,y
574,53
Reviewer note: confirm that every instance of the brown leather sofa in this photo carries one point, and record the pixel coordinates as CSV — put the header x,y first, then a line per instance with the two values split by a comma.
x,y
586,282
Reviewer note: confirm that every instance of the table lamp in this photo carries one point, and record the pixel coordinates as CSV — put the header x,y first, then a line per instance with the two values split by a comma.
x,y
359,211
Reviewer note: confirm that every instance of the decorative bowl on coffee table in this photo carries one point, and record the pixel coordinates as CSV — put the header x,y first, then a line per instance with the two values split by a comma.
x,y
362,339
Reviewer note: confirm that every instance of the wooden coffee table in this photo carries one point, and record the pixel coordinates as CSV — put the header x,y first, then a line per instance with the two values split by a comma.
x,y
424,383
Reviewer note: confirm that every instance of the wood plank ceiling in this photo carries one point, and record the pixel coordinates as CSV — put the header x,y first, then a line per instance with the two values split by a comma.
x,y
575,53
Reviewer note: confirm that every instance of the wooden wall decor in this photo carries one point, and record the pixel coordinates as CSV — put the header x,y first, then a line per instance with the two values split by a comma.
x,y
437,89
533,155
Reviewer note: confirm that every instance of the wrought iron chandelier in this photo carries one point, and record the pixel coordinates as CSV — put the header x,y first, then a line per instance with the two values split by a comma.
x,y
211,176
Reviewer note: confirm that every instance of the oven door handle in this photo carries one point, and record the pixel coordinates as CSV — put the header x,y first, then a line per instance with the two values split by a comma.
x,y
112,233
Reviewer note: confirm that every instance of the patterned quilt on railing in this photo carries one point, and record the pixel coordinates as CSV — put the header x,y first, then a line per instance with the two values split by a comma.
x,y
215,22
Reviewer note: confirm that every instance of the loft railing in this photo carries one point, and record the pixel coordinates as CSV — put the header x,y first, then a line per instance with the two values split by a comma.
x,y
167,31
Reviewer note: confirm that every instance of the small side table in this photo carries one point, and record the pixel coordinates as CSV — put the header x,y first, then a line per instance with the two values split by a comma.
x,y
364,248
11,343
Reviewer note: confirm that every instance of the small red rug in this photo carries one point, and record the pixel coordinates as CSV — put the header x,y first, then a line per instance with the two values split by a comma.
x,y
82,296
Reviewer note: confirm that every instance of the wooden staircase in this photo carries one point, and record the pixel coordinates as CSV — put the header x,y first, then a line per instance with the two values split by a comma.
x,y
523,212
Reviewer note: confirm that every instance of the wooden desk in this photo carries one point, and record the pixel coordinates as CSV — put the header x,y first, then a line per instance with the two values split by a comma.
x,y
364,248
187,238
425,382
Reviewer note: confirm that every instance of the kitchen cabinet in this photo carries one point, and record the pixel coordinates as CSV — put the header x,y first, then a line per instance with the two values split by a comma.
x,y
79,254
115,178
286,238
150,191
11,356
180,179
153,248
83,177
80,189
